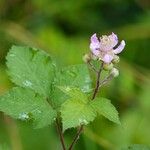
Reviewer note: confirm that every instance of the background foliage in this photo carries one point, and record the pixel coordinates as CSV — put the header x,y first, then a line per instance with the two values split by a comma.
x,y
63,28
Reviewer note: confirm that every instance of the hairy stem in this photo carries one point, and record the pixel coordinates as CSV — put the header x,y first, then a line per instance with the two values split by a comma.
x,y
97,81
94,95
59,130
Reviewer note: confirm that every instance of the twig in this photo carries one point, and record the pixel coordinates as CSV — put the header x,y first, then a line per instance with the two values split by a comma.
x,y
59,130
94,95
76,137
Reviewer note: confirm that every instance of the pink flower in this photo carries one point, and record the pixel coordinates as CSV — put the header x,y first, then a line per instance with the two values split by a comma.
x,y
103,48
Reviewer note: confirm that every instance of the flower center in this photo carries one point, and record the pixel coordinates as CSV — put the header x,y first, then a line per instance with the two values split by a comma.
x,y
105,40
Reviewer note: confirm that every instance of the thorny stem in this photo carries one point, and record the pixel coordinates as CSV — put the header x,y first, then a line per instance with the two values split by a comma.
x,y
94,95
59,130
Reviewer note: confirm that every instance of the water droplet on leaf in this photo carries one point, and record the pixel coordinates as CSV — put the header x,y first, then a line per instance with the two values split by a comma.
x,y
67,89
12,55
27,83
23,116
83,121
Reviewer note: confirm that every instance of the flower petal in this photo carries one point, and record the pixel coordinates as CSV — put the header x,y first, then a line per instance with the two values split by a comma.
x,y
94,45
107,58
119,48
94,38
114,39
96,52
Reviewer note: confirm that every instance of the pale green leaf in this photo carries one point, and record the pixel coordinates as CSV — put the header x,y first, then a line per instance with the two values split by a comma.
x,y
74,92
24,104
72,76
31,68
76,111
104,107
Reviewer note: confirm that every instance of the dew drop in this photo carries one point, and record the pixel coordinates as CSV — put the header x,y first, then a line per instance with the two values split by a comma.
x,y
39,111
12,55
83,121
27,83
68,89
23,116
85,88
35,49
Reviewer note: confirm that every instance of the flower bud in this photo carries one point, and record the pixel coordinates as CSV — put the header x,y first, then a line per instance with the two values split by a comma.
x,y
116,59
108,67
114,72
86,58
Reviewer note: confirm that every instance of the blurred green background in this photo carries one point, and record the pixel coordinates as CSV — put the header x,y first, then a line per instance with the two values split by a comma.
x,y
63,29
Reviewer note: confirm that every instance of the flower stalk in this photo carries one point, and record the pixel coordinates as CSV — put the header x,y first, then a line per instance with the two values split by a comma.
x,y
102,49
94,95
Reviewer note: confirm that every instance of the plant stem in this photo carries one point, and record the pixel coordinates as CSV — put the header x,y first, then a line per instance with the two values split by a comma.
x,y
94,95
76,137
98,81
59,130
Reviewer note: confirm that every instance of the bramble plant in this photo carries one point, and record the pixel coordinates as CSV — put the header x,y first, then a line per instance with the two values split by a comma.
x,y
45,94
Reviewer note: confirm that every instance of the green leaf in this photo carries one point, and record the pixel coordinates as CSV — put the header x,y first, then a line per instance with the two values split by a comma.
x,y
72,76
73,92
24,104
76,111
31,68
103,106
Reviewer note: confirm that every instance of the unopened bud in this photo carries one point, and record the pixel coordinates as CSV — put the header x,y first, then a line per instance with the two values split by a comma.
x,y
114,72
108,67
86,58
116,59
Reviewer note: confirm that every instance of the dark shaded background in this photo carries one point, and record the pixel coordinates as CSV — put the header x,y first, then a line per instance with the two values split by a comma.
x,y
63,28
